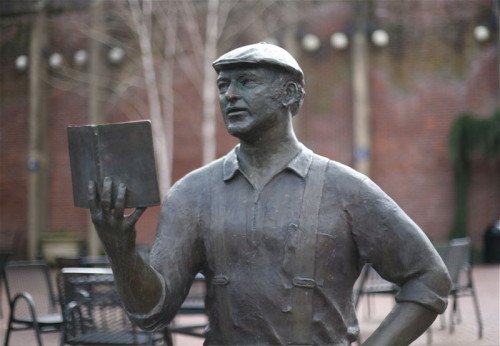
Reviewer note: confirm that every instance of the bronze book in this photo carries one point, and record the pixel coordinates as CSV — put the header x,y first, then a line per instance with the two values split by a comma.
x,y
122,151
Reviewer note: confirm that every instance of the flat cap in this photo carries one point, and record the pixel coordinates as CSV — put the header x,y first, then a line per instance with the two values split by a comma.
x,y
260,54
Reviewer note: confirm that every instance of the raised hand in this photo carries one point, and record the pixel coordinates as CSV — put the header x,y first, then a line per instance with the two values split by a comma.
x,y
115,229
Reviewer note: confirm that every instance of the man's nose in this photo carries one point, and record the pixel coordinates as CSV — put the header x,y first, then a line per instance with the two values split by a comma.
x,y
231,93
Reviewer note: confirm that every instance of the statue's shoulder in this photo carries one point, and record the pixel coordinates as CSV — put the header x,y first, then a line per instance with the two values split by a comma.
x,y
346,181
340,178
205,172
200,177
339,170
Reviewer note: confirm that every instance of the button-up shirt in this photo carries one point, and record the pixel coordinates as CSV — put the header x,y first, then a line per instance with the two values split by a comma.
x,y
254,252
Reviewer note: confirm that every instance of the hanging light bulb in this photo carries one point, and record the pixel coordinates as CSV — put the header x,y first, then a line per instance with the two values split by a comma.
x,y
56,60
380,38
116,55
80,57
339,40
22,62
481,33
311,42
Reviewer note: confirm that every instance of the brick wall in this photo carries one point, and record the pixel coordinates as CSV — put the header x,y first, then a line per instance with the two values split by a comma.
x,y
431,72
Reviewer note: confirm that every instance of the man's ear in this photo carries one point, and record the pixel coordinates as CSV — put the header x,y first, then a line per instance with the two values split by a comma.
x,y
290,94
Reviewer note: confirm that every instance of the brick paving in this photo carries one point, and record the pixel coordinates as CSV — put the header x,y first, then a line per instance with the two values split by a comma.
x,y
486,278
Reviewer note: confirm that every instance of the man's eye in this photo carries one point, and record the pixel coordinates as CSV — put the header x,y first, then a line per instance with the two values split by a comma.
x,y
222,87
247,82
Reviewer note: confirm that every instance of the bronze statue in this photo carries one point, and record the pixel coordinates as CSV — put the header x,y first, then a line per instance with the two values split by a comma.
x,y
279,232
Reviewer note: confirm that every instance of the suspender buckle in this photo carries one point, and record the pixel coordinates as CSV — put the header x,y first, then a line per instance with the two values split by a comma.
x,y
304,283
220,280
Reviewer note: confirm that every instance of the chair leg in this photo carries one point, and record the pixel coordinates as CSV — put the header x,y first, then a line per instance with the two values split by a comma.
x,y
62,336
9,329
368,305
442,317
452,313
429,335
478,313
38,335
458,313
167,336
7,336
1,310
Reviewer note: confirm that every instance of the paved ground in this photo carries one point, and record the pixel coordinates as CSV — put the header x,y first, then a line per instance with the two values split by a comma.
x,y
486,278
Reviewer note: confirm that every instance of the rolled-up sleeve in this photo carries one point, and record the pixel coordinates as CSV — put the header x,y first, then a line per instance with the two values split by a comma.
x,y
151,319
397,248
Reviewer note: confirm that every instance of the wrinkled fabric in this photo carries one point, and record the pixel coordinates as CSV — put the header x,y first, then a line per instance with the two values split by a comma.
x,y
358,224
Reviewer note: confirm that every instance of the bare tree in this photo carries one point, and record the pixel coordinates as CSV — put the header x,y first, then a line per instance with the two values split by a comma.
x,y
210,52
162,125
165,37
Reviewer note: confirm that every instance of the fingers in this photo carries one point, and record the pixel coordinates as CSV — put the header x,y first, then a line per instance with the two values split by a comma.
x,y
120,200
136,214
102,207
92,197
107,192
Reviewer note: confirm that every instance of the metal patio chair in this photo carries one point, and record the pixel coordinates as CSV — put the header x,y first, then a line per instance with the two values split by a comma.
x,y
93,313
370,283
456,255
32,299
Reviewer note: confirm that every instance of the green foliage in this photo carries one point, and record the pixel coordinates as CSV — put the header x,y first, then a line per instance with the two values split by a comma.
x,y
60,235
470,136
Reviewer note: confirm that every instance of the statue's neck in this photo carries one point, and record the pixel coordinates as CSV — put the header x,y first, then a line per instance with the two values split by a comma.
x,y
261,161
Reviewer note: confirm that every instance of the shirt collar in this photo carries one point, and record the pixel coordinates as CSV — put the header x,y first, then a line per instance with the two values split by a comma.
x,y
299,164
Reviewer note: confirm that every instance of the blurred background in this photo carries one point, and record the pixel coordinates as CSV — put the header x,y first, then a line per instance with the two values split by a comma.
x,y
406,92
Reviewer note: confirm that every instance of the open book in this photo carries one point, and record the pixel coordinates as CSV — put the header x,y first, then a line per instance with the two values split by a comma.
x,y
122,151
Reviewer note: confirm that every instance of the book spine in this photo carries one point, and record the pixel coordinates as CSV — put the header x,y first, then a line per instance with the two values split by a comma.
x,y
96,154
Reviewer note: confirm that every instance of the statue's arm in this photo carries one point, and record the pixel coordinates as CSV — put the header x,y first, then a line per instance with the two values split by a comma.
x,y
404,324
401,253
139,286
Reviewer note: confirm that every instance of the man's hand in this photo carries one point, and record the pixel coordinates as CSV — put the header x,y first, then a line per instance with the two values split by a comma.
x,y
137,283
116,231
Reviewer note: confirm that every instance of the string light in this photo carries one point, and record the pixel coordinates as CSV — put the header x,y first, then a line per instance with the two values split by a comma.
x,y
116,55
481,33
80,57
22,62
380,38
56,60
339,40
311,42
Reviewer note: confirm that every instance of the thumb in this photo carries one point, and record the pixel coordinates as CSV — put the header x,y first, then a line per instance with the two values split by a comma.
x,y
136,214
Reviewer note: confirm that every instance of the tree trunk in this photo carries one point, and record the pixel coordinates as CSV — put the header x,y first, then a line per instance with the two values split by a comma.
x,y
209,141
37,147
159,135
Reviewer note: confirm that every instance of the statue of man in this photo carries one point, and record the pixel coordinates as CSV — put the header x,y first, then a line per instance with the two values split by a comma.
x,y
280,233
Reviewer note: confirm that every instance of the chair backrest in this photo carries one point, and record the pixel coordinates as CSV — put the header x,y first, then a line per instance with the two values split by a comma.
x,y
456,257
370,282
31,277
92,308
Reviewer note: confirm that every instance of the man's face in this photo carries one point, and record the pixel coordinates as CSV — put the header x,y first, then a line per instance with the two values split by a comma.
x,y
251,100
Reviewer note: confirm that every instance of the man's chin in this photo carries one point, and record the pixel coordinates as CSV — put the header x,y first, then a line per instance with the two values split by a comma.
x,y
237,131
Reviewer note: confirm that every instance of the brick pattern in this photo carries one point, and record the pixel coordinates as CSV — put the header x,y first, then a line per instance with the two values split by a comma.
x,y
432,71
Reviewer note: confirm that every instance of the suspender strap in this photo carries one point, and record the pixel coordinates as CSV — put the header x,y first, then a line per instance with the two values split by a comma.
x,y
303,281
222,277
